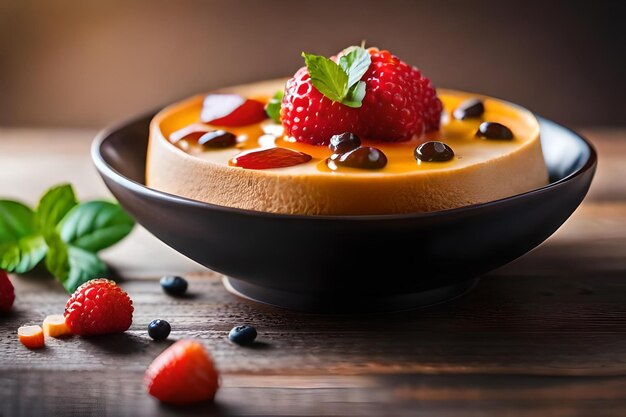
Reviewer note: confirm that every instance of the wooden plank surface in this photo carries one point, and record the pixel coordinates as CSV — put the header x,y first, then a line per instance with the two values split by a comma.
x,y
545,335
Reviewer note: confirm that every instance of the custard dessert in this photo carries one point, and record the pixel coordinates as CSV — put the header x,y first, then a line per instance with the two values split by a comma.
x,y
360,133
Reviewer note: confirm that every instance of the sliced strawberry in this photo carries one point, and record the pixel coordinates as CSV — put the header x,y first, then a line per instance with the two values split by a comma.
x,y
231,110
269,158
31,337
182,374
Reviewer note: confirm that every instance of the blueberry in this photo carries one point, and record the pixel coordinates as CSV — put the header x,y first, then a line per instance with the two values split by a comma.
x,y
174,285
159,329
242,335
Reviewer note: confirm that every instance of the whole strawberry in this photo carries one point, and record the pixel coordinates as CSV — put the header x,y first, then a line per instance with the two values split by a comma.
x,y
399,102
183,374
7,293
99,306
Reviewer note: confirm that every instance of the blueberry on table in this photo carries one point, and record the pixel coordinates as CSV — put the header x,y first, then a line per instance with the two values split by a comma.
x,y
242,335
174,285
159,329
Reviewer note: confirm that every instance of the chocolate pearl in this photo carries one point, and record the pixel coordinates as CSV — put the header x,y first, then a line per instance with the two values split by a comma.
x,y
493,130
471,108
344,142
433,151
217,139
364,158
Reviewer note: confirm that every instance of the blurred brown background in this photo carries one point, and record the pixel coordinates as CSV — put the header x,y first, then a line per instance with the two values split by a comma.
x,y
89,63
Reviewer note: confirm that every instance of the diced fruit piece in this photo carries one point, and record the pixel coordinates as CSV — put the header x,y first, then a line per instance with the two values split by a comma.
x,y
190,133
159,329
343,143
242,335
97,307
7,293
231,110
55,326
31,337
269,158
174,285
183,374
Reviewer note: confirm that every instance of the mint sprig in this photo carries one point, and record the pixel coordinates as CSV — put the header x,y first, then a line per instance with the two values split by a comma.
x,y
273,106
68,234
340,82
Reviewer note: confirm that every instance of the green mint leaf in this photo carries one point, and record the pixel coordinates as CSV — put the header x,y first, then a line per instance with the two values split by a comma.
x,y
95,225
57,258
273,106
16,221
355,63
72,266
22,255
355,95
84,266
327,77
54,205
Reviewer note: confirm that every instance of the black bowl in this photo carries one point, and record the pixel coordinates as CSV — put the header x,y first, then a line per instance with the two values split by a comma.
x,y
349,263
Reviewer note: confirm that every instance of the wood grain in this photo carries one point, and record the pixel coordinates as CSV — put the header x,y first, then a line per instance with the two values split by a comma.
x,y
545,335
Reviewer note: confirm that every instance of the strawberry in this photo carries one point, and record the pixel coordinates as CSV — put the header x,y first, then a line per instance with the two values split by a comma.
x,y
184,373
399,102
99,306
7,293
311,117
269,158
231,110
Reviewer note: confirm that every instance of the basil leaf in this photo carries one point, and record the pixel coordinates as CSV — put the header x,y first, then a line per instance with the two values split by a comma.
x,y
273,106
95,225
54,205
72,266
355,63
84,266
57,258
355,95
328,77
16,221
22,255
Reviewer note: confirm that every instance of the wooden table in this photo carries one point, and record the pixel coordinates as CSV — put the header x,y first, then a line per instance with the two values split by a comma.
x,y
545,335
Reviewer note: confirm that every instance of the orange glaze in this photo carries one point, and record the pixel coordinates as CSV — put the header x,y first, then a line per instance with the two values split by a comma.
x,y
459,135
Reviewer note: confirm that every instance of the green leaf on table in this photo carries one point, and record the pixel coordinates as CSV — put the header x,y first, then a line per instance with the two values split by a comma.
x,y
95,225
53,207
16,221
22,255
273,106
71,265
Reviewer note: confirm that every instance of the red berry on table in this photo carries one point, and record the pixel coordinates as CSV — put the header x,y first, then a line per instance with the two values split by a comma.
x,y
311,117
183,374
7,293
399,101
97,307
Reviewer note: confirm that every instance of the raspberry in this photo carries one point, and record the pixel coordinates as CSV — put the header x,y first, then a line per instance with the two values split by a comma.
x,y
182,374
7,293
399,102
311,117
99,306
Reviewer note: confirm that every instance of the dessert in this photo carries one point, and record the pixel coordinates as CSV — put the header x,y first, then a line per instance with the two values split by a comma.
x,y
359,133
